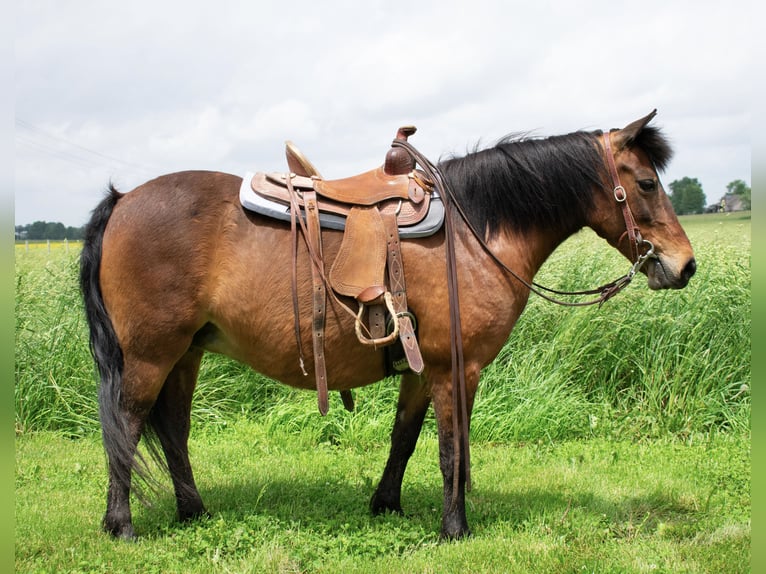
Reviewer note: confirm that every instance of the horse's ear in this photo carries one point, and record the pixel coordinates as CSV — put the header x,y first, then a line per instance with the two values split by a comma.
x,y
626,135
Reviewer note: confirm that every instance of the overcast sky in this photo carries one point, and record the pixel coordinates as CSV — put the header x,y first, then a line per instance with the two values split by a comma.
x,y
126,91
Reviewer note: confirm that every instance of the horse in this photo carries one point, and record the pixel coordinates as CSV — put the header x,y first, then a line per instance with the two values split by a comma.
x,y
177,267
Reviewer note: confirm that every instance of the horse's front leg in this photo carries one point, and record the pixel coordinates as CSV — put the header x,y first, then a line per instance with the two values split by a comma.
x,y
414,400
454,521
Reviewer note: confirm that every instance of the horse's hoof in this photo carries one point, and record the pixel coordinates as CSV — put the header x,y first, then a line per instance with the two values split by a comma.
x,y
125,533
120,529
380,506
195,515
459,534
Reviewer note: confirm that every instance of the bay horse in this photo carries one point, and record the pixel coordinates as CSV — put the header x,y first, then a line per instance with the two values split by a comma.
x,y
178,267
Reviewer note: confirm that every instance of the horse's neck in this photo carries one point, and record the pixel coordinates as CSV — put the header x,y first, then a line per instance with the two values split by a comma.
x,y
495,298
524,253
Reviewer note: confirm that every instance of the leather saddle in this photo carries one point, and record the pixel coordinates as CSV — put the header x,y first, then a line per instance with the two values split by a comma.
x,y
418,207
374,209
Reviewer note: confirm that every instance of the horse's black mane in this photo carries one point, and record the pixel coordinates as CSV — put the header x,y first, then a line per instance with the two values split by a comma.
x,y
529,183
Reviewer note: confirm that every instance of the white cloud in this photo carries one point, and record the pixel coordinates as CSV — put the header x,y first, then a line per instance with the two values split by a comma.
x,y
159,87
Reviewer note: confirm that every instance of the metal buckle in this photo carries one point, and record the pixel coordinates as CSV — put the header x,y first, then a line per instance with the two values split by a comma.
x,y
642,259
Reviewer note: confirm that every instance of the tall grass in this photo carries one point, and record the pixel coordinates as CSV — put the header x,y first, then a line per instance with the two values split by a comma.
x,y
55,377
644,364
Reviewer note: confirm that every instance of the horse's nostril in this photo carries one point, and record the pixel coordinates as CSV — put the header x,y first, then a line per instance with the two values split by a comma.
x,y
690,269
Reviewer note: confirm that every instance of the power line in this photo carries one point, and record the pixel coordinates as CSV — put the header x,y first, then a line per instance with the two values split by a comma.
x,y
40,147
55,146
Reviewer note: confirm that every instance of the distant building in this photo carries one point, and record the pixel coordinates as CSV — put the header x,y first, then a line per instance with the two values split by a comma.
x,y
728,203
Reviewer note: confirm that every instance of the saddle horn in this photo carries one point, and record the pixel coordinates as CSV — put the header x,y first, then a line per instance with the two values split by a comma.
x,y
398,160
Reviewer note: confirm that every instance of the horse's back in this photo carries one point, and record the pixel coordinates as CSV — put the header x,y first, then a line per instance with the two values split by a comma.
x,y
173,207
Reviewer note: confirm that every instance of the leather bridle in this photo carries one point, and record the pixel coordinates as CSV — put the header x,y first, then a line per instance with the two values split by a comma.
x,y
620,195
632,232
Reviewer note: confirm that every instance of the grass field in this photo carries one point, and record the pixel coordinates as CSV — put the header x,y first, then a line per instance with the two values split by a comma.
x,y
604,440
283,503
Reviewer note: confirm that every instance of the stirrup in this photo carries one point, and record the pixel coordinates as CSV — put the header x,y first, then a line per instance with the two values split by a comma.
x,y
381,341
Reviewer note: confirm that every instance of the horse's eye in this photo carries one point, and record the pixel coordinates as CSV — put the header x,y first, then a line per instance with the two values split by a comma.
x,y
647,185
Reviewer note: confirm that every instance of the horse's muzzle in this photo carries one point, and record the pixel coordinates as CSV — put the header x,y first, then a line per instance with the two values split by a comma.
x,y
663,274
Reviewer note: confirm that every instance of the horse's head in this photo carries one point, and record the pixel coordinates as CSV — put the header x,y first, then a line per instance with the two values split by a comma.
x,y
636,152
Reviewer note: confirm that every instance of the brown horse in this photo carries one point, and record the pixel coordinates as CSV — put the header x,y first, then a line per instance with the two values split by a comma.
x,y
178,267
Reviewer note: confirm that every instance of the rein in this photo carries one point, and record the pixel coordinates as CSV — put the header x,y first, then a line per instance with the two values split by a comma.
x,y
605,292
632,232
459,392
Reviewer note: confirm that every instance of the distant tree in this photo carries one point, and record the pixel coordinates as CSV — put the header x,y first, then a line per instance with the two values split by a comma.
x,y
687,196
740,188
74,233
37,230
55,231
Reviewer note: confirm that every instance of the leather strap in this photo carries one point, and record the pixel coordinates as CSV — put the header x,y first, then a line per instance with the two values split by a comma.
x,y
319,298
460,421
376,319
398,289
460,440
348,400
604,292
620,195
459,392
295,216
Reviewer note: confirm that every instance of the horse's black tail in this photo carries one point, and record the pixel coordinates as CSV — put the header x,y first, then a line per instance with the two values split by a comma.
x,y
103,340
106,349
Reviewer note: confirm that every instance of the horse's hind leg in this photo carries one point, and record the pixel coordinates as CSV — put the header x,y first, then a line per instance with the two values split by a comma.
x,y
170,419
154,392
120,441
125,400
414,400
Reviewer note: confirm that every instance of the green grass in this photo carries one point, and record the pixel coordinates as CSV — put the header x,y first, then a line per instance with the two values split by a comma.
x,y
603,440
289,504
645,364
55,377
